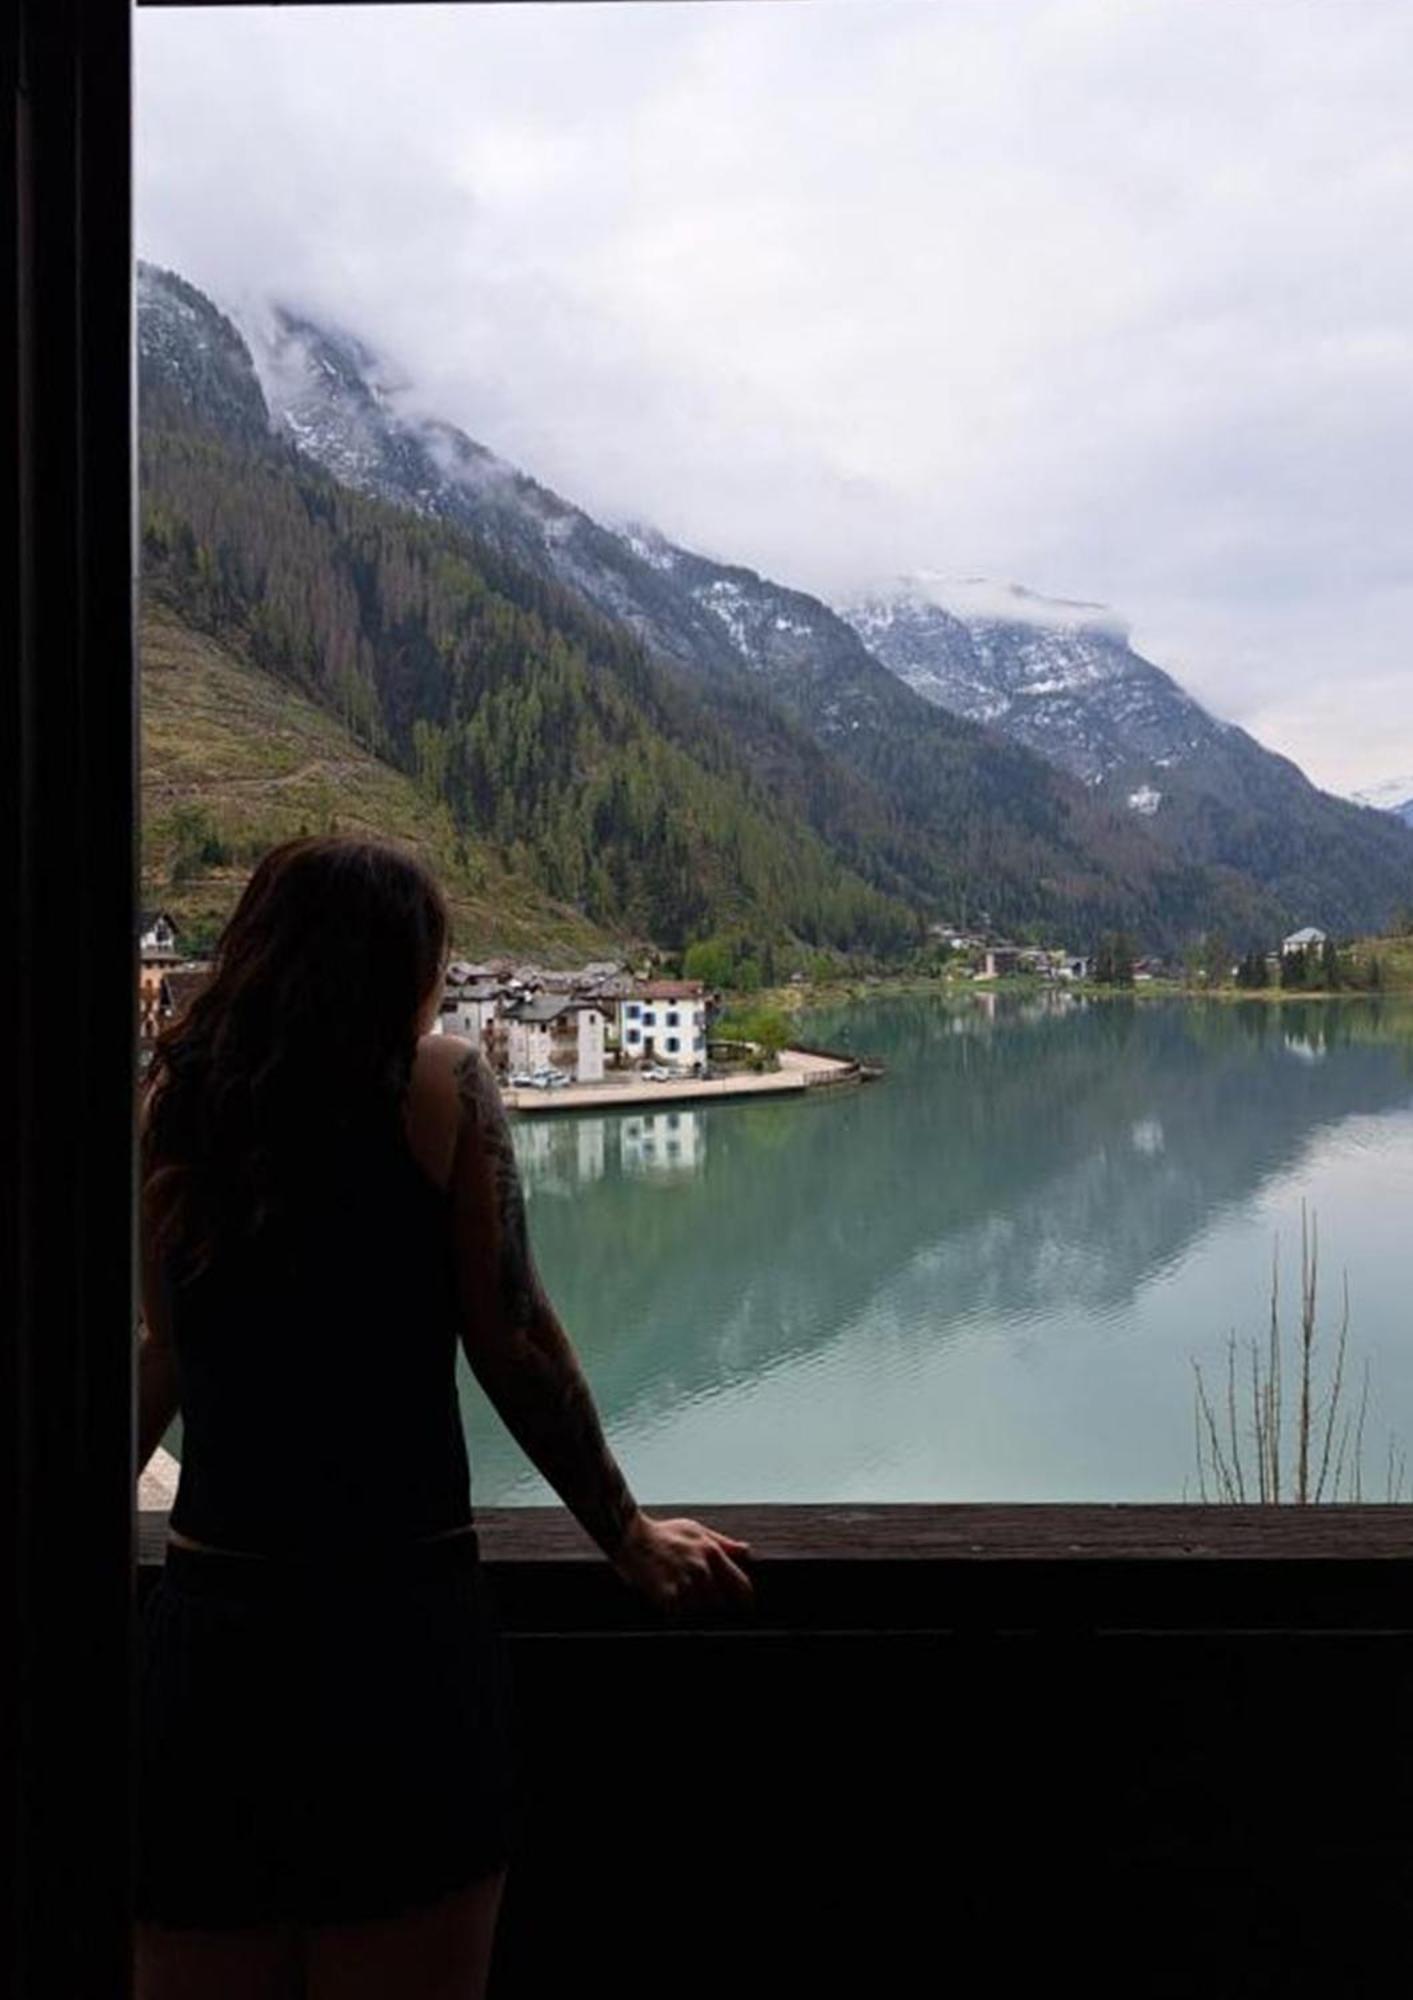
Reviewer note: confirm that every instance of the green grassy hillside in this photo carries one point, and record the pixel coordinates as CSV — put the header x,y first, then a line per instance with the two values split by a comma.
x,y
234,760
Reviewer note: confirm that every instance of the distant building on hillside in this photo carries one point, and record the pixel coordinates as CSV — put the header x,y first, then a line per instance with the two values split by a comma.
x,y
157,934
1299,940
157,955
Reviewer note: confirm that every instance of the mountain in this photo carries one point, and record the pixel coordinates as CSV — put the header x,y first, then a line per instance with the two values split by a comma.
x,y
758,689
326,391
928,806
1394,796
548,734
1062,678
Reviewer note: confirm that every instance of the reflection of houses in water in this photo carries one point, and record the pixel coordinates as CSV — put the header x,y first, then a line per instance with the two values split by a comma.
x,y
1146,1135
589,1147
662,1142
561,1155
558,1155
1304,1046
535,1150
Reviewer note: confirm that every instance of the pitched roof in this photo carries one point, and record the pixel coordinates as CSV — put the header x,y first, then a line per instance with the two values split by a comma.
x,y
181,987
670,989
548,1008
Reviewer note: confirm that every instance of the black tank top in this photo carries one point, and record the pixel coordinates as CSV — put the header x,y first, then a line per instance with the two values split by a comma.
x,y
317,1372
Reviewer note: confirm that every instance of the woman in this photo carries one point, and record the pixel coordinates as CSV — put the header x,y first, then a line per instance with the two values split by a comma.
x,y
328,1790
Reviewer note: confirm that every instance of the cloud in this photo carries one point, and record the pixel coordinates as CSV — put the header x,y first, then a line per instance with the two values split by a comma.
x,y
1109,299
984,597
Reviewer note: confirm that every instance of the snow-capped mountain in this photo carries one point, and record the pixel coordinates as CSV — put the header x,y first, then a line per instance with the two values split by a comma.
x,y
1058,675
334,398
1061,677
979,731
191,354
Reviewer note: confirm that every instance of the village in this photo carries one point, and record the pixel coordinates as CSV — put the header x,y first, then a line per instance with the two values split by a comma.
x,y
596,1036
1303,958
604,1034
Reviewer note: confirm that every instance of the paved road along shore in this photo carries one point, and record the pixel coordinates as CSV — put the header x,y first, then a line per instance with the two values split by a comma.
x,y
797,1071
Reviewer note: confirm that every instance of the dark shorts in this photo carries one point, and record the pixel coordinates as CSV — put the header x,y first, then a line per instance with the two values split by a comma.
x,y
321,1743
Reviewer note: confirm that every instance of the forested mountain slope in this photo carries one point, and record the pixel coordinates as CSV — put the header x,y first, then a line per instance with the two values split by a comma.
x,y
719,752
235,759
547,733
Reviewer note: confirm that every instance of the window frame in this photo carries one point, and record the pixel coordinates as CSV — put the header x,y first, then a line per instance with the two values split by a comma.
x,y
69,795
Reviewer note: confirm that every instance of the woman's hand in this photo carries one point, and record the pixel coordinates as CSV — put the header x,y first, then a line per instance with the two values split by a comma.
x,y
683,1566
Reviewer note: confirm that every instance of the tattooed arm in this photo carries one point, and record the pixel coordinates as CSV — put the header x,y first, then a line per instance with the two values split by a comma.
x,y
518,1351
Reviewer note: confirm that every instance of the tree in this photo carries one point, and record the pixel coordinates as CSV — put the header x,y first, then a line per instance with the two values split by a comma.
x,y
767,1029
1329,966
711,960
1214,956
771,1033
1293,969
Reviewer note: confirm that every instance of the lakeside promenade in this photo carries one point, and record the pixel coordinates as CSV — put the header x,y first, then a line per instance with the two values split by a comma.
x,y
799,1070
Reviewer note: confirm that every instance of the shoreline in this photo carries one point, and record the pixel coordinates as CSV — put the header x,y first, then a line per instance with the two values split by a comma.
x,y
799,1071
796,999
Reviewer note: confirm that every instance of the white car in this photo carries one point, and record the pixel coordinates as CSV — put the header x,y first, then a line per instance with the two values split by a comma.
x,y
655,1073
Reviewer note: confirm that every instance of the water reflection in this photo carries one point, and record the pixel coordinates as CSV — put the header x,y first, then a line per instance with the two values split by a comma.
x,y
559,1155
1025,1173
663,1142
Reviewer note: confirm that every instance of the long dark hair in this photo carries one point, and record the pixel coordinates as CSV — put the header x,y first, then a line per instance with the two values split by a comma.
x,y
301,1043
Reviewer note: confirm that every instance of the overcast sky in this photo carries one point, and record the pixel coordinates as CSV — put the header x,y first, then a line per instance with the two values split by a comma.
x,y
1111,298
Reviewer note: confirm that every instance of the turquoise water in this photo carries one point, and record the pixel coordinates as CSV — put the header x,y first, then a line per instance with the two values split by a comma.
x,y
987,1276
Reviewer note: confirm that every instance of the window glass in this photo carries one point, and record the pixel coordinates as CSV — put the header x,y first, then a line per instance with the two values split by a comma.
x,y
475,465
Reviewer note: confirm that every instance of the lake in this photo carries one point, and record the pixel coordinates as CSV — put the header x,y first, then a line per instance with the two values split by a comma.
x,y
987,1276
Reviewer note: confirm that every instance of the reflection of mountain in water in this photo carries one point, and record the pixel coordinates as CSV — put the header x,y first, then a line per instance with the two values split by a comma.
x,y
1043,1154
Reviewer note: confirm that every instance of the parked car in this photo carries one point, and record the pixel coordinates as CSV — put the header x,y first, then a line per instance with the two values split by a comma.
x,y
655,1073
524,1081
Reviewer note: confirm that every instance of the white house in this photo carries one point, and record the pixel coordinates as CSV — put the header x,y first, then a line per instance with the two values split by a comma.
x,y
1298,940
665,1021
157,935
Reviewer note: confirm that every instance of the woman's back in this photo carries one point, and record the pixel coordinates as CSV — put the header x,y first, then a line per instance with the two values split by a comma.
x,y
317,1370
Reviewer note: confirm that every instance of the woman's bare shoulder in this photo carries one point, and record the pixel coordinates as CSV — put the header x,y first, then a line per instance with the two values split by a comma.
x,y
441,1070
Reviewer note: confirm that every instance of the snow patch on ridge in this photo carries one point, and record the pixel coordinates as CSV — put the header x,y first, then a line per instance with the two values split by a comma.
x,y
981,599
